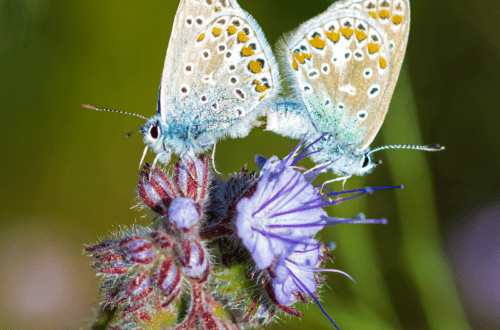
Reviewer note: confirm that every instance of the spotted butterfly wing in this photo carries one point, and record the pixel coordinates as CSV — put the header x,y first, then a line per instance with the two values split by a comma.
x,y
394,17
219,71
342,67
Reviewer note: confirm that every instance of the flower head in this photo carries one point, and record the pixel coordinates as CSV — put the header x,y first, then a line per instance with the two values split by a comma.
x,y
277,223
133,266
225,254
295,273
274,219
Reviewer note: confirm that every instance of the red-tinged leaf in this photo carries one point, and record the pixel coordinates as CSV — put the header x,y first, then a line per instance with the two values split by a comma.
x,y
111,257
114,270
137,281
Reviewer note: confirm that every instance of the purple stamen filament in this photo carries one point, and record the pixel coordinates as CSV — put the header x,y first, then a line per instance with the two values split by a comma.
x,y
315,299
332,222
267,234
301,209
310,144
367,190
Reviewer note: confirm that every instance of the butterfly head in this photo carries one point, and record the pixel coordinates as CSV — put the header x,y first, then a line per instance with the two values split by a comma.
x,y
343,160
354,164
366,164
154,136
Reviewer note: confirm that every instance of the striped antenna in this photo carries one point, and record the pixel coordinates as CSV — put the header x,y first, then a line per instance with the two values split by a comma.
x,y
429,147
109,110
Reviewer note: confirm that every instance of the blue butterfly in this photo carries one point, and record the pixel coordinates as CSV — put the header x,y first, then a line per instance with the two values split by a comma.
x,y
342,67
219,75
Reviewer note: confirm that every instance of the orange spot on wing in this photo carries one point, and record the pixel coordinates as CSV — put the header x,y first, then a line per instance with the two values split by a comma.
x,y
242,37
382,62
201,37
346,32
384,14
397,19
216,31
295,65
255,67
217,9
232,29
299,57
373,48
261,88
307,56
317,42
247,51
262,97
332,35
361,35
373,14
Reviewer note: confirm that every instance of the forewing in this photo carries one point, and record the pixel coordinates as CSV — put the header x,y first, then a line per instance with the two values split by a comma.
x,y
344,64
394,17
219,68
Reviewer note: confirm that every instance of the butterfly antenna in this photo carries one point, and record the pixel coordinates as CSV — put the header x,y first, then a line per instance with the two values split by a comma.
x,y
429,147
109,110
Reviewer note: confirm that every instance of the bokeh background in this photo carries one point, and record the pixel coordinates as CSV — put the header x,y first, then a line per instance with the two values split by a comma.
x,y
68,176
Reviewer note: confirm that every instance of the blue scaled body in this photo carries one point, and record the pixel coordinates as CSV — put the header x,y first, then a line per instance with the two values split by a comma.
x,y
333,146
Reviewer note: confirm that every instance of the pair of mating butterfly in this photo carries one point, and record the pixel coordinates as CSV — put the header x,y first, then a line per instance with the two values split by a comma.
x,y
340,69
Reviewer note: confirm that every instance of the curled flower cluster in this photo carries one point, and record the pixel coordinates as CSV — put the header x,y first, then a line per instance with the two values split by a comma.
x,y
221,254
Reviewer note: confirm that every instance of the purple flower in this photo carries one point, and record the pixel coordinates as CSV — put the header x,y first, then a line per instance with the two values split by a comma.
x,y
295,272
277,222
226,254
280,214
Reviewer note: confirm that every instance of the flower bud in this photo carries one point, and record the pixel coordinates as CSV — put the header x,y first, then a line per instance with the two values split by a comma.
x,y
183,213
138,249
169,280
193,259
156,190
192,178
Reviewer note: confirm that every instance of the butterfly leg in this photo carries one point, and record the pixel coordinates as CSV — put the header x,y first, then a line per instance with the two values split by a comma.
x,y
154,165
213,159
318,167
143,156
342,178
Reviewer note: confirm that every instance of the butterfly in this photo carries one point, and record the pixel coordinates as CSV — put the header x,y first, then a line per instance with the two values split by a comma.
x,y
342,67
218,75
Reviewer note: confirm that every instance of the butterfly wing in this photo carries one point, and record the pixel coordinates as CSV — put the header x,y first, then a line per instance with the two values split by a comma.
x,y
344,65
394,17
219,69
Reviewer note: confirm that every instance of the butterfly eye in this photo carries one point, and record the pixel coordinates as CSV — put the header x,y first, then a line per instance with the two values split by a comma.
x,y
153,131
366,161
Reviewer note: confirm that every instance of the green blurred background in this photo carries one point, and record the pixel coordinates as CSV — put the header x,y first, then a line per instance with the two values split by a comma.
x,y
68,176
